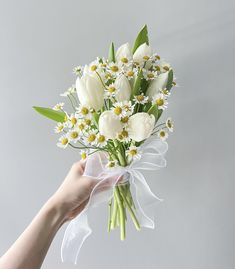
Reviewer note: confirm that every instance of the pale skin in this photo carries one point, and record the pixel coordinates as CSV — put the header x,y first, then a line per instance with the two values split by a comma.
x,y
30,249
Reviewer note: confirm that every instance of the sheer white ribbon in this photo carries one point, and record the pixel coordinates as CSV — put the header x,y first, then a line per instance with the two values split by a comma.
x,y
151,158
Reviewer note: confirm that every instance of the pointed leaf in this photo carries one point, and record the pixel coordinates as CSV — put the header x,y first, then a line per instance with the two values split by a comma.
x,y
141,38
170,80
137,84
58,116
154,111
111,53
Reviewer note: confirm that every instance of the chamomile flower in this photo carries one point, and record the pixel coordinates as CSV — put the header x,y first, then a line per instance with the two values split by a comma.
x,y
164,67
133,153
58,106
114,68
141,99
101,140
123,136
125,120
165,92
169,124
78,70
69,91
149,75
160,100
94,66
73,135
162,134
59,127
112,164
111,91
130,73
155,57
63,142
118,109
72,120
127,107
91,137
83,111
84,154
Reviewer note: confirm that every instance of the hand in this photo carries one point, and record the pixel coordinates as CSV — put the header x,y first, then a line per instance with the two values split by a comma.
x,y
73,194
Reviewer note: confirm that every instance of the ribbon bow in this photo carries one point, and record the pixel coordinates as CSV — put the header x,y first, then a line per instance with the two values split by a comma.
x,y
151,159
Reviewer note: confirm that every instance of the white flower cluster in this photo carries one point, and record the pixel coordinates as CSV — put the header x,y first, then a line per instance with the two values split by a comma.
x,y
117,104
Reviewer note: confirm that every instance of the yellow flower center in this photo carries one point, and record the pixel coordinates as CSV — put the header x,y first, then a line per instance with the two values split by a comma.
x,y
160,102
120,137
83,155
93,67
140,98
111,89
130,73
84,111
73,121
124,60
111,164
133,152
162,134
174,83
103,64
91,138
124,133
64,141
157,57
166,68
117,110
114,68
146,58
81,126
88,121
101,139
165,91
169,124
74,135
157,67
60,128
125,119
150,75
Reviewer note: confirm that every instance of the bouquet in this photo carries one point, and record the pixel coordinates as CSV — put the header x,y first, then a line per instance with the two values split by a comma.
x,y
115,108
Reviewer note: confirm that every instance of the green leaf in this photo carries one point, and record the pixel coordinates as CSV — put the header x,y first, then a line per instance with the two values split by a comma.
x,y
141,39
96,117
137,84
58,116
170,80
111,53
159,114
154,111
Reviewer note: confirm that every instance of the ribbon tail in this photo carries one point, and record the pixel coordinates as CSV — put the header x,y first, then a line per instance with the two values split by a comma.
x,y
145,199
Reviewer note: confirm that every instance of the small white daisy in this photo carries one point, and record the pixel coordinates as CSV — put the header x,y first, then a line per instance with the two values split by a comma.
x,y
83,111
165,92
160,100
70,90
149,75
101,140
169,124
132,153
131,73
112,164
63,142
58,106
141,99
84,154
114,68
59,127
118,109
162,134
124,136
91,137
164,67
78,70
72,120
111,91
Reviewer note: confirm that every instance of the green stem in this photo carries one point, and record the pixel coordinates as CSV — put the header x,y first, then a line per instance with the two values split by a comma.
x,y
121,213
114,214
110,212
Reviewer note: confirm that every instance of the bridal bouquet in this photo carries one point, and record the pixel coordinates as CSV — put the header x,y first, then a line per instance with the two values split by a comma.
x,y
113,120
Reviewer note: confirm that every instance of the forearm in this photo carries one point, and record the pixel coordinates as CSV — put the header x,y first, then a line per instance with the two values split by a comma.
x,y
29,251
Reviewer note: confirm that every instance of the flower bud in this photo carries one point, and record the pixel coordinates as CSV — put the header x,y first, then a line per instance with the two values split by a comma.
x,y
123,88
124,54
110,125
90,91
142,54
140,126
159,83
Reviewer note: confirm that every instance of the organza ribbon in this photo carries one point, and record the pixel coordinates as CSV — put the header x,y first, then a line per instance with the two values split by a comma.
x,y
151,159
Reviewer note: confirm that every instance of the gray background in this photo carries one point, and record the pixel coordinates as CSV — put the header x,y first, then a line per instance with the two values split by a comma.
x,y
40,43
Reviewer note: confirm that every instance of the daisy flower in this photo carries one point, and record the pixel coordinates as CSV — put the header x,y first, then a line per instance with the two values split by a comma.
x,y
149,75
163,135
124,136
127,107
132,153
63,142
160,100
59,127
91,137
84,154
110,91
130,73
169,124
70,90
78,70
83,111
73,135
164,67
141,99
58,106
114,68
72,120
118,109
165,92
111,164
101,140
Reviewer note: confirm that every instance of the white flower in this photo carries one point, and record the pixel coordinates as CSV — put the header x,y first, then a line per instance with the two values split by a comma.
x,y
131,73
149,75
63,142
111,164
142,54
124,54
59,127
84,154
132,153
141,99
109,124
140,126
70,90
164,67
72,120
114,68
78,70
163,135
160,100
169,124
83,111
111,91
58,106
90,91
101,140
157,84
124,88
165,92
124,136
91,137
73,135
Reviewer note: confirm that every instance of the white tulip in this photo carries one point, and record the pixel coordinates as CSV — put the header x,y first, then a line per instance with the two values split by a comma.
x,y
143,52
110,125
140,126
124,52
123,87
159,83
90,91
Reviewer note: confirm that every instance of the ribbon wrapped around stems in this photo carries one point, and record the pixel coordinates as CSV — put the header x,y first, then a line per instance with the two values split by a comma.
x,y
151,159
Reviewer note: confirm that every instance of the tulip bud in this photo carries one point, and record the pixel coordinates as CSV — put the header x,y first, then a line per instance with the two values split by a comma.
x,y
140,126
124,53
110,125
123,88
159,83
90,91
142,54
